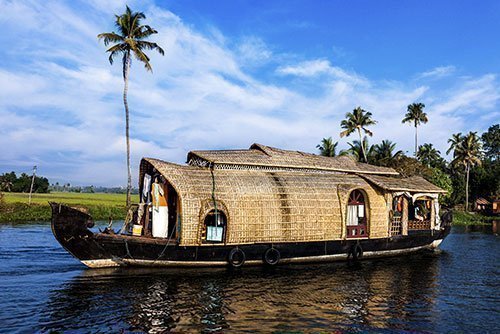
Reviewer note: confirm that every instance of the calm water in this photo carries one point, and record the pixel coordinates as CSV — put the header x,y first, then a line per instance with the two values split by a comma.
x,y
43,289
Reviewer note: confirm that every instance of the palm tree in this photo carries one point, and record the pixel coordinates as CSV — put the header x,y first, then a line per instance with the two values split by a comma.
x,y
5,185
416,115
358,120
360,150
129,40
454,141
383,152
428,155
468,154
327,147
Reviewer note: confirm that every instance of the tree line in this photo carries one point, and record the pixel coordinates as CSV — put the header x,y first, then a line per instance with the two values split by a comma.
x,y
472,172
10,182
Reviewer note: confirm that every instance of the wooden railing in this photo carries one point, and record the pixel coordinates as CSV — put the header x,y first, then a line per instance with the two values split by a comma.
x,y
396,226
357,231
419,225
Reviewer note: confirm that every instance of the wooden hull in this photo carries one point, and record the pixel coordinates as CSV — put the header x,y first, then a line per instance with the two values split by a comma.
x,y
70,227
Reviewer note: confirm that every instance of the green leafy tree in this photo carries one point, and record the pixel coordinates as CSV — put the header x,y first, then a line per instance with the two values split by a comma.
x,y
358,120
428,155
491,142
467,154
485,180
327,148
415,114
439,178
384,153
130,40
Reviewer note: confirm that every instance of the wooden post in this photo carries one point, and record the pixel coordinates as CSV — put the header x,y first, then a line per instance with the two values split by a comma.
x,y
433,214
404,218
147,228
32,182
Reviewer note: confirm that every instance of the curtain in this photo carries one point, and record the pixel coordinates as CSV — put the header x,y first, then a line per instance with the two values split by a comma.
x,y
146,188
352,215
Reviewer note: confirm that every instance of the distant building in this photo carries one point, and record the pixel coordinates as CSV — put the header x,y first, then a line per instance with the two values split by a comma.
x,y
495,206
482,205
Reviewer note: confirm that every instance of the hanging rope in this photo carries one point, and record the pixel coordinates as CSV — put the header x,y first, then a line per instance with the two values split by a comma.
x,y
128,251
168,242
213,192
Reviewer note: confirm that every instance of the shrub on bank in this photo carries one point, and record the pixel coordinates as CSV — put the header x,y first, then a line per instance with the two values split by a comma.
x,y
469,218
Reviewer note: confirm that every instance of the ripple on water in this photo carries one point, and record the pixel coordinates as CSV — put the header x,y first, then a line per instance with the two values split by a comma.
x,y
44,289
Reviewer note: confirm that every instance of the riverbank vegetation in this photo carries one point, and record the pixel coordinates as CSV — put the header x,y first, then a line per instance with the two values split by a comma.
x,y
22,183
15,207
472,173
472,218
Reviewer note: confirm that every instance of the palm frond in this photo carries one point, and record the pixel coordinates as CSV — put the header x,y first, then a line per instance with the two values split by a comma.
x,y
141,56
368,132
150,46
144,31
110,37
112,56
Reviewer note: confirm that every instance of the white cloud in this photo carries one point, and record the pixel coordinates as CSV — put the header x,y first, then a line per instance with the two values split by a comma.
x,y
437,72
312,68
253,51
61,103
306,68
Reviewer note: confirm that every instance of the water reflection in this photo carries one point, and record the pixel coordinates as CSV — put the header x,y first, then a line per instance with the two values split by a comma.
x,y
394,293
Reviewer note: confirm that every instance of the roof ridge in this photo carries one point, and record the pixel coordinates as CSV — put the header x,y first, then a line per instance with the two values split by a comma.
x,y
265,156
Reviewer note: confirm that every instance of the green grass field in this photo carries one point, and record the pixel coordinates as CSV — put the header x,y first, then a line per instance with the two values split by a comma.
x,y
70,198
15,207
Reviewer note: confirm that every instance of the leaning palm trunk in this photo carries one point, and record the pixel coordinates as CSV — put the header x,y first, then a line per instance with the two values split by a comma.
x,y
467,168
416,139
126,69
362,146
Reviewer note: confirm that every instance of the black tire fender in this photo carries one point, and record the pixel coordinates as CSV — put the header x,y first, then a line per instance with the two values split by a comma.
x,y
236,257
356,252
271,257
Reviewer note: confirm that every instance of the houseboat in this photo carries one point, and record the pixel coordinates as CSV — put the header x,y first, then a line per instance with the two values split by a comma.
x,y
261,206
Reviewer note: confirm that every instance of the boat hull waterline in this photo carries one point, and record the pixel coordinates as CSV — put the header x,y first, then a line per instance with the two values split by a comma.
x,y
98,250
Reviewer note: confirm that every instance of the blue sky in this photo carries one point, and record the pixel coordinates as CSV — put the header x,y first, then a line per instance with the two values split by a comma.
x,y
281,73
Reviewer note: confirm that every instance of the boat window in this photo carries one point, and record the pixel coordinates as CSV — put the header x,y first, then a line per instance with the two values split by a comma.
x,y
356,214
215,226
420,210
397,205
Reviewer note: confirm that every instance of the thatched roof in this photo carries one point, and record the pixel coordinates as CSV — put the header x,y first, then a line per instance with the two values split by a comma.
x,y
482,201
267,206
412,184
269,157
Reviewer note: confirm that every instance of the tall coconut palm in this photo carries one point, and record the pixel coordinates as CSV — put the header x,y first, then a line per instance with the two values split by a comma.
x,y
358,120
415,114
454,141
383,152
468,154
428,155
327,147
130,40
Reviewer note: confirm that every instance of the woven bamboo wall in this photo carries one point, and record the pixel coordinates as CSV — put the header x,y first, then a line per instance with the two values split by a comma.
x,y
264,206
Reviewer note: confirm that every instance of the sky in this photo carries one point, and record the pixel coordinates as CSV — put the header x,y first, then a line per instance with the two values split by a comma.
x,y
279,73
